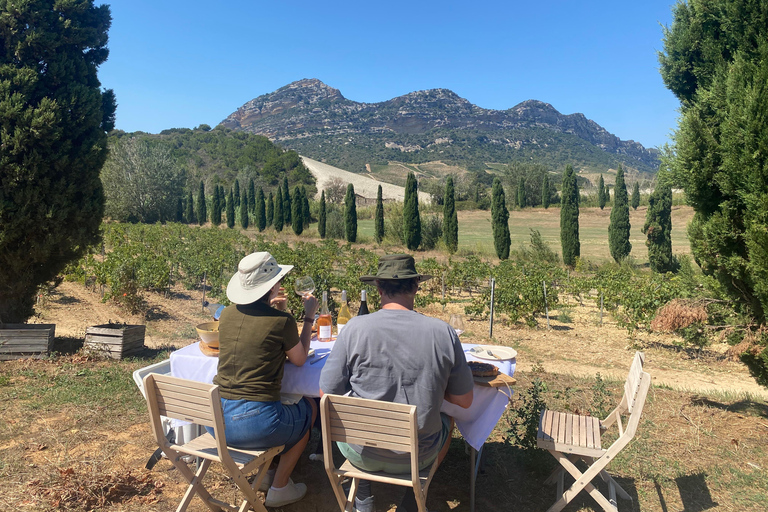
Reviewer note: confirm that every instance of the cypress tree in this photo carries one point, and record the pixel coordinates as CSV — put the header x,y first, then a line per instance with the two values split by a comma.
x,y
658,229
601,192
287,211
618,229
202,214
378,223
635,201
411,218
500,221
305,205
189,216
545,192
450,218
279,218
350,214
252,196
244,220
53,144
230,210
321,216
261,214
237,193
216,206
297,216
179,210
270,209
569,218
521,201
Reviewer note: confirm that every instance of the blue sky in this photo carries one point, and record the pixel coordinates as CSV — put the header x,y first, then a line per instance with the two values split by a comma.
x,y
180,64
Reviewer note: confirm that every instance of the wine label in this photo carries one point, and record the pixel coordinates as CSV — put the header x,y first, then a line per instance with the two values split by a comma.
x,y
339,327
325,332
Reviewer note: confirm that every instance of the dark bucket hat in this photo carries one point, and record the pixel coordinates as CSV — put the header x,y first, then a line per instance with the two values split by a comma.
x,y
396,266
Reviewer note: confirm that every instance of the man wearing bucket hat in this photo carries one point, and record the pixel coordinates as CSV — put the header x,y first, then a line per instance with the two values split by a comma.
x,y
254,340
399,355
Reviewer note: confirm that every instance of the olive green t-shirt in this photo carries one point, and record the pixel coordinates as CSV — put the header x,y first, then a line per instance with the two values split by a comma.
x,y
253,339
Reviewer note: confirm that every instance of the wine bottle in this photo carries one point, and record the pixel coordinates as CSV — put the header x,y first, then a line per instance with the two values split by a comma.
x,y
363,304
344,314
324,321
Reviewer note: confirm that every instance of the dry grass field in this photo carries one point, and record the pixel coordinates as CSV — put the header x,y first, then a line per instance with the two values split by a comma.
x,y
74,433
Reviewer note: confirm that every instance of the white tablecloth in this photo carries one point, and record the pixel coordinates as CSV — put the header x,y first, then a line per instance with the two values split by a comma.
x,y
475,423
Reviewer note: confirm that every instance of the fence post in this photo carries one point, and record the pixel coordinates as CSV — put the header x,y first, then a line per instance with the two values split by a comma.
x,y
493,289
443,284
205,275
546,307
601,308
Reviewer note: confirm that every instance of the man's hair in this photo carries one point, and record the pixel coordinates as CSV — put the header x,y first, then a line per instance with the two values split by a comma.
x,y
393,287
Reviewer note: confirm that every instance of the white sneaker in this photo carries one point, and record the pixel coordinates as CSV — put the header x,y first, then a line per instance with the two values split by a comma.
x,y
291,493
267,482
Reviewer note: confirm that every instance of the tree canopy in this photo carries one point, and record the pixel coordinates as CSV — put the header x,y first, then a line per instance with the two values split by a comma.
x,y
569,218
53,123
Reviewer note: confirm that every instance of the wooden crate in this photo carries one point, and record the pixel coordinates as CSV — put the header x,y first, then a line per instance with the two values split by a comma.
x,y
115,341
18,341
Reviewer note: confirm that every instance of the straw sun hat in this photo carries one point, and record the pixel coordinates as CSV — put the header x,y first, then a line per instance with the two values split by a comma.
x,y
256,274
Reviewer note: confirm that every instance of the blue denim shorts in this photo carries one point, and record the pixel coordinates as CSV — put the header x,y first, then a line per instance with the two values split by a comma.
x,y
261,425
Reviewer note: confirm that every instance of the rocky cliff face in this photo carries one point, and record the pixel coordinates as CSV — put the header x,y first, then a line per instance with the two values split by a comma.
x,y
305,114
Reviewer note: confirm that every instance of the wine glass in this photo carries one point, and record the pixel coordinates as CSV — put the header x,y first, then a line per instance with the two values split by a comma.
x,y
304,286
457,323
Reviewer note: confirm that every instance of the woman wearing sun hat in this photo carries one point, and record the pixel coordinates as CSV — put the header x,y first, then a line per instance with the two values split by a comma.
x,y
255,336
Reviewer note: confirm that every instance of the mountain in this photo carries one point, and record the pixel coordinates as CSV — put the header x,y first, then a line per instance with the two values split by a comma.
x,y
317,121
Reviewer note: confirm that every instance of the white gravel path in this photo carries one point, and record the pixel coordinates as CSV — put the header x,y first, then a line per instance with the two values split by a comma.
x,y
364,185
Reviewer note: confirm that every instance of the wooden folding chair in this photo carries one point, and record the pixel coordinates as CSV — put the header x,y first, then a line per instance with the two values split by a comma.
x,y
570,437
372,423
199,403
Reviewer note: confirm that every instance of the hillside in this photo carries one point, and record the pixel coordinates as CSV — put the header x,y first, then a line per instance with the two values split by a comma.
x,y
434,125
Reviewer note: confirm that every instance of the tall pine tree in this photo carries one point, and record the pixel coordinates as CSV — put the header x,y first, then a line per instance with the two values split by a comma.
x,y
244,220
53,144
521,199
305,205
230,210
545,192
322,216
260,213
350,215
297,216
618,229
601,192
569,218
450,218
201,212
378,222
500,220
635,201
279,217
287,206
270,209
658,228
252,196
237,193
216,206
189,214
179,210
411,218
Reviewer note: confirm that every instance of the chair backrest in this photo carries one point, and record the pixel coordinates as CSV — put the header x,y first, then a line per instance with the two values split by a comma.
x,y
632,385
186,400
372,423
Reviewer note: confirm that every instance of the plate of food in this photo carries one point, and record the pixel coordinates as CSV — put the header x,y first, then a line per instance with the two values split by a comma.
x,y
487,374
492,352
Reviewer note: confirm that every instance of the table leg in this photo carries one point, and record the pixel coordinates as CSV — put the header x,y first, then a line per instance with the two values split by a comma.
x,y
475,456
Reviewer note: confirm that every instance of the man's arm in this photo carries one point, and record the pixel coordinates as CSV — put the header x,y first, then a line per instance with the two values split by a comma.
x,y
463,401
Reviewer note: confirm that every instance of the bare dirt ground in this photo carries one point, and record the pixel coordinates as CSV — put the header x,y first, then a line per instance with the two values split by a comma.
x,y
581,347
696,451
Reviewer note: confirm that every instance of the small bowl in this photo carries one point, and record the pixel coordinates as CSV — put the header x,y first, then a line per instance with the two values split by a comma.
x,y
209,333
